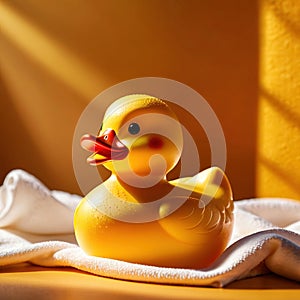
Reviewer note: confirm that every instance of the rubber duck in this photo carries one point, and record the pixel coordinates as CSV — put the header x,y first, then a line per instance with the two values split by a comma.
x,y
137,215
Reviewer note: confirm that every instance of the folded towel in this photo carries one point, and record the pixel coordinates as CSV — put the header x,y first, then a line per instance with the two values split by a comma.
x,y
37,226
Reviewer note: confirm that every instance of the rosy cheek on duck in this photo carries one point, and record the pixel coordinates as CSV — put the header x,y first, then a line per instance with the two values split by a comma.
x,y
155,143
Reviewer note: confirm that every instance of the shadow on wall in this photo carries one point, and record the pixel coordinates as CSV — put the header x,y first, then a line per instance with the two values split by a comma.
x,y
212,46
281,107
287,15
279,158
281,173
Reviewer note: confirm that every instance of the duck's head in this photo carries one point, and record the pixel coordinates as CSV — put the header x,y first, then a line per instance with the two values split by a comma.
x,y
140,138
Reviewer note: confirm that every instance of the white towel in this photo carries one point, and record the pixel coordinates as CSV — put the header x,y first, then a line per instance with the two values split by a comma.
x,y
37,226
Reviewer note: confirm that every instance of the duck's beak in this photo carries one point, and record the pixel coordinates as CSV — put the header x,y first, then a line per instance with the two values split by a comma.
x,y
105,147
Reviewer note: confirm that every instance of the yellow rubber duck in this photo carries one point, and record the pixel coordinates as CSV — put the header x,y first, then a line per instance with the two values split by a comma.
x,y
137,215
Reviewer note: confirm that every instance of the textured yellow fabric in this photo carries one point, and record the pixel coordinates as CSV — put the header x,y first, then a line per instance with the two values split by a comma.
x,y
278,144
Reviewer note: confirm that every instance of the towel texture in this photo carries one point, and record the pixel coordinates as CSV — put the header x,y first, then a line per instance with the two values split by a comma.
x,y
37,226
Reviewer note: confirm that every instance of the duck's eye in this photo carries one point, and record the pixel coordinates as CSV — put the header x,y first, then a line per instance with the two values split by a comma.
x,y
134,128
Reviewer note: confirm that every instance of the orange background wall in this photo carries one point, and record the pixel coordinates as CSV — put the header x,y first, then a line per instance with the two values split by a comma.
x,y
56,56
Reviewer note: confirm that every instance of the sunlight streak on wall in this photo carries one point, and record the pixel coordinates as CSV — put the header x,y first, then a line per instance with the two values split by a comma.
x,y
47,52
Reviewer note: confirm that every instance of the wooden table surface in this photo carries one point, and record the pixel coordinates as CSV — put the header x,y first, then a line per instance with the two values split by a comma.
x,y
33,282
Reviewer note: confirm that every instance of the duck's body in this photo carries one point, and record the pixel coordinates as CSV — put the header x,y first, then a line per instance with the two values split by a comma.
x,y
139,216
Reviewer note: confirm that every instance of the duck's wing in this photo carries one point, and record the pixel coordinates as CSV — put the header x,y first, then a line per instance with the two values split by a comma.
x,y
211,182
208,207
